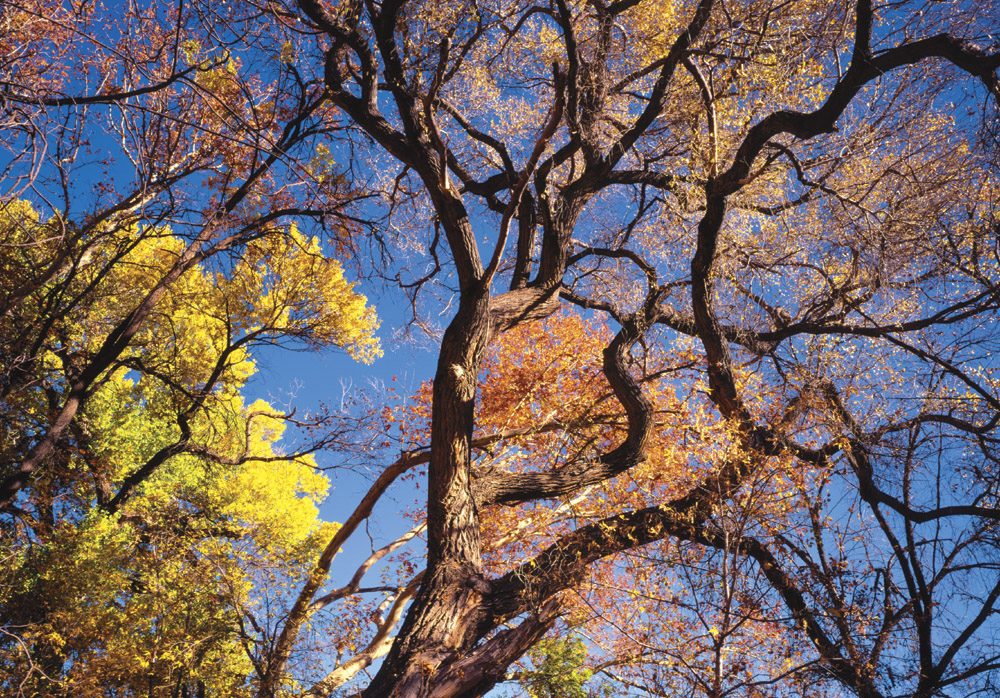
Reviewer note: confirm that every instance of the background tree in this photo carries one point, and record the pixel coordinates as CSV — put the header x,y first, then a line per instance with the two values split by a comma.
x,y
159,163
559,669
172,483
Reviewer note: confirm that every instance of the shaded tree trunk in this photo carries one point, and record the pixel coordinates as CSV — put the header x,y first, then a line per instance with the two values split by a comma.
x,y
442,625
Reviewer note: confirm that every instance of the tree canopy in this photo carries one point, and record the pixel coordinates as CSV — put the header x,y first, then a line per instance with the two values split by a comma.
x,y
715,408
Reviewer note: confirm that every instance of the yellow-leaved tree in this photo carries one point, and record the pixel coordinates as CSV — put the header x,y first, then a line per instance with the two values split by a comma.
x,y
151,560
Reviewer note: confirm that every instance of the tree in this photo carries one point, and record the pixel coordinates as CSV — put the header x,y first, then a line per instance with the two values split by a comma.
x,y
208,164
717,382
160,164
714,132
171,480
558,669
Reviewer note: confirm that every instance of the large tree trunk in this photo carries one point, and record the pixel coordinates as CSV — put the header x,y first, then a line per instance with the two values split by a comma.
x,y
442,625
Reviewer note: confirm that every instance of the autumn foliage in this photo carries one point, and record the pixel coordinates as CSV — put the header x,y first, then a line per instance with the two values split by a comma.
x,y
713,291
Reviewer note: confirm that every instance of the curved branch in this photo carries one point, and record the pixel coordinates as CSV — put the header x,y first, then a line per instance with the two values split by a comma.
x,y
523,487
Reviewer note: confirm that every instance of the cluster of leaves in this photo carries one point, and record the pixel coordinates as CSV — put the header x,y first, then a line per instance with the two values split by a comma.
x,y
559,669
121,574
